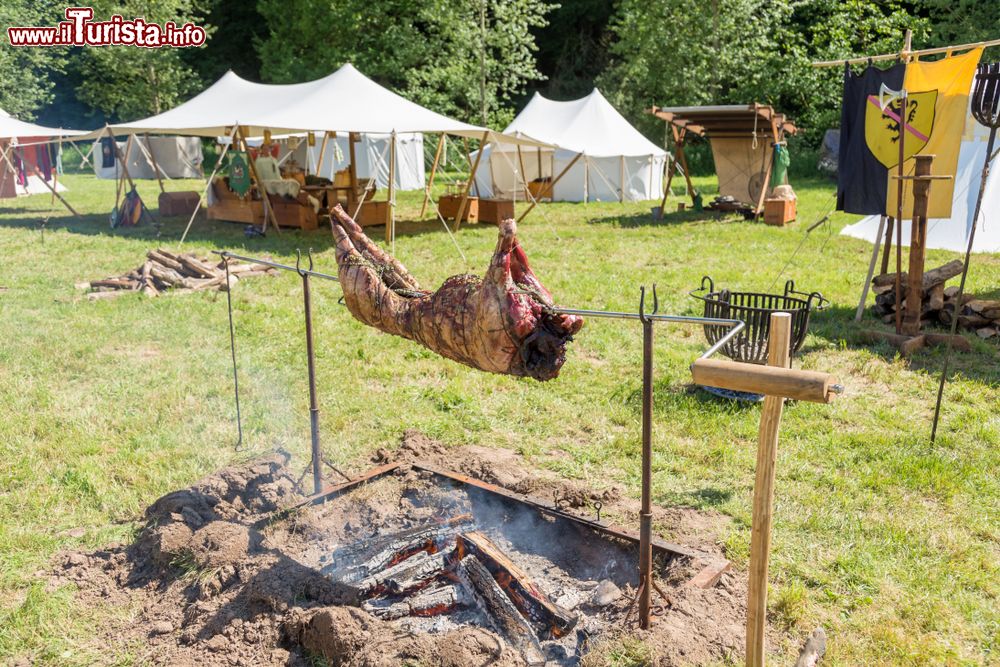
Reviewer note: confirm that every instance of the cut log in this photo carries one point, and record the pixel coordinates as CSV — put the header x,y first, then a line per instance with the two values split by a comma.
x,y
114,283
427,603
974,321
951,291
162,259
980,306
506,618
931,278
549,619
935,298
168,276
193,265
986,332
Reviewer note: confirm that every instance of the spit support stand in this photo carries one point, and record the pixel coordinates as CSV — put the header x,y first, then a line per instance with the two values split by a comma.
x,y
800,384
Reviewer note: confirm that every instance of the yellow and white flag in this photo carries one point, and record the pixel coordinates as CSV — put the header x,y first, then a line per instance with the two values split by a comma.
x,y
937,107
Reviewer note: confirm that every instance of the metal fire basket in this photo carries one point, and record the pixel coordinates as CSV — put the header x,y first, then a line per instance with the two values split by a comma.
x,y
755,308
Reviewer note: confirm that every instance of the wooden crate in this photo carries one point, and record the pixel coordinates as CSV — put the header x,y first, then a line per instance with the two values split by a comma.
x,y
448,207
539,188
495,210
178,203
293,213
779,211
373,213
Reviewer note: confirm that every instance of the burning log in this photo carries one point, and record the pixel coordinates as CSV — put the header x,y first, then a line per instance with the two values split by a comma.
x,y
180,273
549,619
354,563
494,602
433,602
405,576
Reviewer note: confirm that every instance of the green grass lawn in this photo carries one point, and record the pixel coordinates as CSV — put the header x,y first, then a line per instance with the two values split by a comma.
x,y
890,543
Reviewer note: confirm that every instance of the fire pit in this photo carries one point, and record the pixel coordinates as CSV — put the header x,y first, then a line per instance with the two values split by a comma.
x,y
458,552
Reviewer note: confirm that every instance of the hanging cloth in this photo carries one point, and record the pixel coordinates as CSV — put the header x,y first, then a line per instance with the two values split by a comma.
x,y
107,152
779,173
239,173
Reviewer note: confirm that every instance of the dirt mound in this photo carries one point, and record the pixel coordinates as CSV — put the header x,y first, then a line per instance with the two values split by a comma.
x,y
215,578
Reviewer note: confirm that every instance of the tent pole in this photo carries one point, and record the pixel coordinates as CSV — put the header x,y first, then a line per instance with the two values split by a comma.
x,y
871,270
430,182
888,243
621,182
472,176
152,158
46,183
322,153
390,222
218,165
586,181
4,147
81,154
552,184
352,138
265,198
524,174
55,170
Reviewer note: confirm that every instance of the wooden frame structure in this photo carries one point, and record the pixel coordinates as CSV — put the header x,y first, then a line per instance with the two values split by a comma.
x,y
729,121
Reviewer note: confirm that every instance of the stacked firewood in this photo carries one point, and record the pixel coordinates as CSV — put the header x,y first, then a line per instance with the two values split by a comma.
x,y
939,303
178,272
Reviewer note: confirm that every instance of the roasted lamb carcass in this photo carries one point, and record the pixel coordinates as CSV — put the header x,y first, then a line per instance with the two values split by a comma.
x,y
502,323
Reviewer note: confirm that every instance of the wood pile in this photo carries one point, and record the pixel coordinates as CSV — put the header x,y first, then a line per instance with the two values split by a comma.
x,y
939,303
178,272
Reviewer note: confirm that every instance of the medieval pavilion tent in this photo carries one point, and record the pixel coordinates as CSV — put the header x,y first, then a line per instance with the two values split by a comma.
x,y
603,156
20,173
344,102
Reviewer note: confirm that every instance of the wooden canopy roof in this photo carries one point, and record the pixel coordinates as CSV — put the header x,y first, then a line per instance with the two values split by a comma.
x,y
727,120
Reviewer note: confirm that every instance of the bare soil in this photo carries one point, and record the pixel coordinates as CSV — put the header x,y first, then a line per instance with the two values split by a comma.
x,y
216,579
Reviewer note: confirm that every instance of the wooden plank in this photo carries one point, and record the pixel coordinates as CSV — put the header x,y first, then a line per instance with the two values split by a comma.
x,y
710,575
778,355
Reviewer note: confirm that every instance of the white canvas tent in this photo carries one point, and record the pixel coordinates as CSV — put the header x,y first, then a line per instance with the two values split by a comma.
x,y
176,157
608,159
953,233
344,102
14,132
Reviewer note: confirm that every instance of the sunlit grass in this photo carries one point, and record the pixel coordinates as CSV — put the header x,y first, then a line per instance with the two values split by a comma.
x,y
888,542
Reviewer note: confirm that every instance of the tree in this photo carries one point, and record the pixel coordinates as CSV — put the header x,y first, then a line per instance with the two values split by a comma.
x,y
25,86
434,52
127,82
690,52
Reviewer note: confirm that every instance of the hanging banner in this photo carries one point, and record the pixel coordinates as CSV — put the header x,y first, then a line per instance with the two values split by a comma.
x,y
862,177
937,107
239,173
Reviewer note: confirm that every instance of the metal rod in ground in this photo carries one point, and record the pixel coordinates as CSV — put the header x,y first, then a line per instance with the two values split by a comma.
x,y
232,351
313,402
961,284
646,513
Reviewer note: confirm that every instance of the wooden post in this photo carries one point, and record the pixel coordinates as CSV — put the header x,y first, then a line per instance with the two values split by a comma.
x,y
551,185
152,158
390,222
871,269
679,138
524,174
759,209
430,181
898,291
918,241
468,183
778,354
